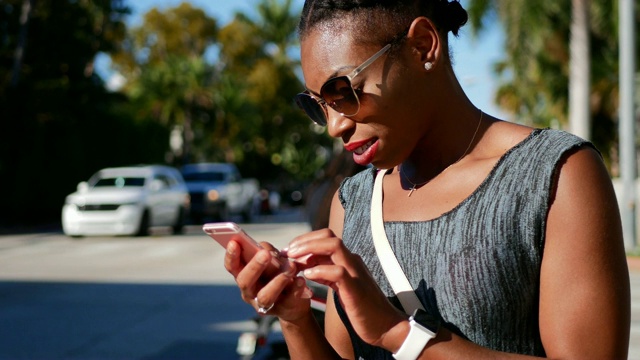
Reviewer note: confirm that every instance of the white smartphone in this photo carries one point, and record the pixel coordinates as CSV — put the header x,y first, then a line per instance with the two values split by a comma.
x,y
223,232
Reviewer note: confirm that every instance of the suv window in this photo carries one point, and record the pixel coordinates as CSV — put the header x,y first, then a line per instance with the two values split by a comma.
x,y
120,182
204,176
168,182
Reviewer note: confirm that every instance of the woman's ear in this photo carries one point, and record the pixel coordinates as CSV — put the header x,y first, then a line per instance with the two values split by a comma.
x,y
425,42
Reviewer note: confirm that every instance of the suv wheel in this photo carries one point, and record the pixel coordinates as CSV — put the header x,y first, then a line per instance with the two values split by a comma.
x,y
178,227
223,212
143,228
248,213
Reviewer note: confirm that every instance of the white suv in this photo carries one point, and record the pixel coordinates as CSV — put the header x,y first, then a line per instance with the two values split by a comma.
x,y
127,201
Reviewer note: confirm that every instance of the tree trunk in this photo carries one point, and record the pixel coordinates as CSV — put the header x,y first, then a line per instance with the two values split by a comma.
x,y
187,136
580,71
27,5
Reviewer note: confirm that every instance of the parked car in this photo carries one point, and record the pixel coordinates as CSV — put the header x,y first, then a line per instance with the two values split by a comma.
x,y
218,190
127,201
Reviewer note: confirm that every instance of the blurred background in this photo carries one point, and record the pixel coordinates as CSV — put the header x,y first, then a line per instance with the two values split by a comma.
x,y
90,84
204,88
93,84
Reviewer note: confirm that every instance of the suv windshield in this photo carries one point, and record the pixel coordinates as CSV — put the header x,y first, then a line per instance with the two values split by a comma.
x,y
204,176
120,182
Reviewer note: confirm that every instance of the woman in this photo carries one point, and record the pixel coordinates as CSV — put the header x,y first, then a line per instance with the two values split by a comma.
x,y
509,236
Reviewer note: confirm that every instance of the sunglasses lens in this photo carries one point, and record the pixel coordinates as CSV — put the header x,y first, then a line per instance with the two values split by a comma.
x,y
339,94
312,108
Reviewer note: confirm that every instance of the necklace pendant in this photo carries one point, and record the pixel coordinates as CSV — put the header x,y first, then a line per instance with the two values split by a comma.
x,y
411,191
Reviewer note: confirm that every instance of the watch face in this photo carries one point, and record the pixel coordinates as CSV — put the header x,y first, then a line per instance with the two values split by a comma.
x,y
427,320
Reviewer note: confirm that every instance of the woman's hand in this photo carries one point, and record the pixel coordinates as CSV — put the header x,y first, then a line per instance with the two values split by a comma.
x,y
369,311
284,295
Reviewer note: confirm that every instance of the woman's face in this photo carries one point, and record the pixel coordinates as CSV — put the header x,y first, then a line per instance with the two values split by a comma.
x,y
391,118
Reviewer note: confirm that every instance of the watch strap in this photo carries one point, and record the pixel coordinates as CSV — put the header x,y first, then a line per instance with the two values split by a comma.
x,y
418,338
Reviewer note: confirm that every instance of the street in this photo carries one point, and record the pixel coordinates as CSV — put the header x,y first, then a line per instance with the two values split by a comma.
x,y
156,297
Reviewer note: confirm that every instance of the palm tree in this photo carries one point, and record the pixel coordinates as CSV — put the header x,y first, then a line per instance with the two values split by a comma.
x,y
560,64
277,24
580,73
258,51
168,78
176,92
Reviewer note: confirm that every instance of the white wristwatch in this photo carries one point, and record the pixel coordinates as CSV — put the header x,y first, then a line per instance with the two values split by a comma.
x,y
423,328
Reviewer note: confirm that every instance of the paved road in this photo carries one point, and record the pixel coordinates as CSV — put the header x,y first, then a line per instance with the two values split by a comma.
x,y
160,297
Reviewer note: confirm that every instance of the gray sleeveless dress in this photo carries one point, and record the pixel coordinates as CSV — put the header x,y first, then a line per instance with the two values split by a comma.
x,y
478,265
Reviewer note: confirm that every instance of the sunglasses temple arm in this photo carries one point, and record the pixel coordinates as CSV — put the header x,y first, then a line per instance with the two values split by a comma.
x,y
364,65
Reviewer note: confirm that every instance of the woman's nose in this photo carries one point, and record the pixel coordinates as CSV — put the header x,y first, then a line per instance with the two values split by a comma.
x,y
338,124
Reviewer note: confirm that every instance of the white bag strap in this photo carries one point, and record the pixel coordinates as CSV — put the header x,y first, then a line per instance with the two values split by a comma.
x,y
388,260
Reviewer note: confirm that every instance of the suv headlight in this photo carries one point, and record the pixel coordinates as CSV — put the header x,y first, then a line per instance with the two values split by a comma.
x,y
213,195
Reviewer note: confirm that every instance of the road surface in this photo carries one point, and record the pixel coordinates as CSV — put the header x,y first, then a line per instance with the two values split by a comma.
x,y
159,297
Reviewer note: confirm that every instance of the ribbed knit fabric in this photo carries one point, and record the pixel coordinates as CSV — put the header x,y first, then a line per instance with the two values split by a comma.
x,y
478,265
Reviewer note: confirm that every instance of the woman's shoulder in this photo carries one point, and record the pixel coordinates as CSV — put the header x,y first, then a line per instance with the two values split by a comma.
x,y
529,154
363,177
358,184
503,137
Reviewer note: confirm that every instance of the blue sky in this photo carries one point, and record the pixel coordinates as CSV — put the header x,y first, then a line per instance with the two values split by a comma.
x,y
473,58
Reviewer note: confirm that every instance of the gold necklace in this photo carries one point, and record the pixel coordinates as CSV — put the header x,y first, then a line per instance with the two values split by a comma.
x,y
414,186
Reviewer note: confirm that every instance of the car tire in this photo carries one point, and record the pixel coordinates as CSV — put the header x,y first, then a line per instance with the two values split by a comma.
x,y
248,213
178,227
143,228
223,212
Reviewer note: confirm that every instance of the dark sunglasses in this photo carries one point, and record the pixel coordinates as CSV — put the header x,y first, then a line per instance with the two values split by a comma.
x,y
337,92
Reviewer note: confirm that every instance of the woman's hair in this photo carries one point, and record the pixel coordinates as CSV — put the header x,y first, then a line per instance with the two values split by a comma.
x,y
382,15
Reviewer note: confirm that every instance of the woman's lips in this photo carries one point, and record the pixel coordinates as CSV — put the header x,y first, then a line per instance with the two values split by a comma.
x,y
360,150
363,151
355,145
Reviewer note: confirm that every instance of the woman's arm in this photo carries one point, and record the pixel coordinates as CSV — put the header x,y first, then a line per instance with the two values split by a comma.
x,y
584,285
335,330
584,281
297,335
304,337
336,345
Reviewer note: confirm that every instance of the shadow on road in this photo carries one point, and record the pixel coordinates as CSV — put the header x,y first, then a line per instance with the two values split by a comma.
x,y
146,321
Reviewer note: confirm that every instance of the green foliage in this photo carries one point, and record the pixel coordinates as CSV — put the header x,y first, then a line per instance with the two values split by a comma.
x,y
169,80
535,70
256,53
180,32
227,90
58,124
237,108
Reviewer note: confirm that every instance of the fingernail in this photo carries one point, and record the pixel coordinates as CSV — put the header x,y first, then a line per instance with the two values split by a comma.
x,y
262,258
307,293
289,268
300,282
308,272
231,250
